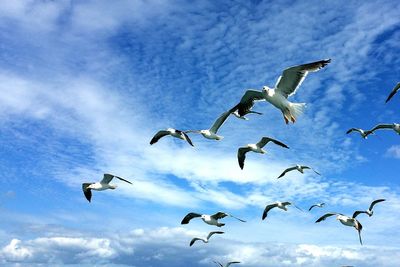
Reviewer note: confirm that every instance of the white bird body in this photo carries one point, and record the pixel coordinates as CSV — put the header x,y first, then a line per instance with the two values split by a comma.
x,y
210,135
281,205
209,220
101,186
256,149
346,220
299,168
175,133
212,132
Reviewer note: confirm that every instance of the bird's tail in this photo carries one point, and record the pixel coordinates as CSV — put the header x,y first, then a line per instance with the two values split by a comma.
x,y
296,109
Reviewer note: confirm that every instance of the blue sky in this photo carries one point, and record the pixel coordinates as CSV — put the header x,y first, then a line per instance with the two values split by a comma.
x,y
85,85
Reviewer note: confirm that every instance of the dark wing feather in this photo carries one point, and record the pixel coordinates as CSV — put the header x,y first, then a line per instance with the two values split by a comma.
x,y
194,240
357,212
213,233
158,135
267,209
188,139
241,155
122,179
382,126
190,216
353,130
394,91
323,217
87,191
313,206
232,262
219,215
375,202
265,141
285,171
247,101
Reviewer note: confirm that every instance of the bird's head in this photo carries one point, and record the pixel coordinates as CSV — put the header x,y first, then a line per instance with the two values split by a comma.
x,y
266,88
203,216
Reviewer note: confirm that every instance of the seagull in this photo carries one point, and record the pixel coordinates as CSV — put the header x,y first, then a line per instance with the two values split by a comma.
x,y
209,219
370,212
345,220
226,265
104,184
364,133
278,204
300,168
256,148
319,205
285,86
395,127
172,132
212,132
394,91
207,238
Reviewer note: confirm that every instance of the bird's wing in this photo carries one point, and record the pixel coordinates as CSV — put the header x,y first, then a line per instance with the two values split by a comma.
x,y
232,262
307,167
359,228
194,240
375,202
219,215
158,135
187,138
329,214
213,233
218,263
247,101
86,191
122,179
236,218
292,77
221,119
190,216
312,207
353,130
290,203
267,209
265,141
241,155
287,170
382,126
357,212
255,112
107,178
394,91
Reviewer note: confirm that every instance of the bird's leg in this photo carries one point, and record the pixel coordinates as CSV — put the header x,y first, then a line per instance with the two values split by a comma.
x,y
293,119
285,118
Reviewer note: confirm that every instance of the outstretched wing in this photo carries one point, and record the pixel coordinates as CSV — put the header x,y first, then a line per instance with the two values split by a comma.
x,y
219,215
122,179
86,191
359,228
307,167
158,135
292,77
187,138
241,155
107,178
394,91
353,130
218,263
194,240
265,141
247,101
382,126
221,119
313,206
375,202
356,213
213,233
232,262
267,209
323,217
190,216
285,171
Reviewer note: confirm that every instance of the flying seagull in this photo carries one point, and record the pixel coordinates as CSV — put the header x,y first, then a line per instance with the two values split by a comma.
x,y
394,91
278,204
209,219
300,168
226,265
286,86
370,212
104,184
172,132
364,133
241,155
212,132
394,126
345,220
319,205
207,238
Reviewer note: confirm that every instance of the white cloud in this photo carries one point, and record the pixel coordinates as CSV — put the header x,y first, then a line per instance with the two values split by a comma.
x,y
394,152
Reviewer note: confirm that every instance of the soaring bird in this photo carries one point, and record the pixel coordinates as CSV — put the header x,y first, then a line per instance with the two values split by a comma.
x,y
300,168
208,219
394,126
319,205
104,184
226,265
278,204
206,239
345,220
285,86
212,132
172,132
258,148
393,92
364,133
370,212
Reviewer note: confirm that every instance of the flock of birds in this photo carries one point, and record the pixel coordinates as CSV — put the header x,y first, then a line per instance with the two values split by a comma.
x,y
286,86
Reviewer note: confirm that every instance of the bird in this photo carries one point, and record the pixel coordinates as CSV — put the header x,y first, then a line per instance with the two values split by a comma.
x,y
226,265
206,239
286,85
393,92
212,132
300,168
278,204
208,219
241,155
345,220
246,104
319,205
370,212
364,133
172,132
394,126
104,184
